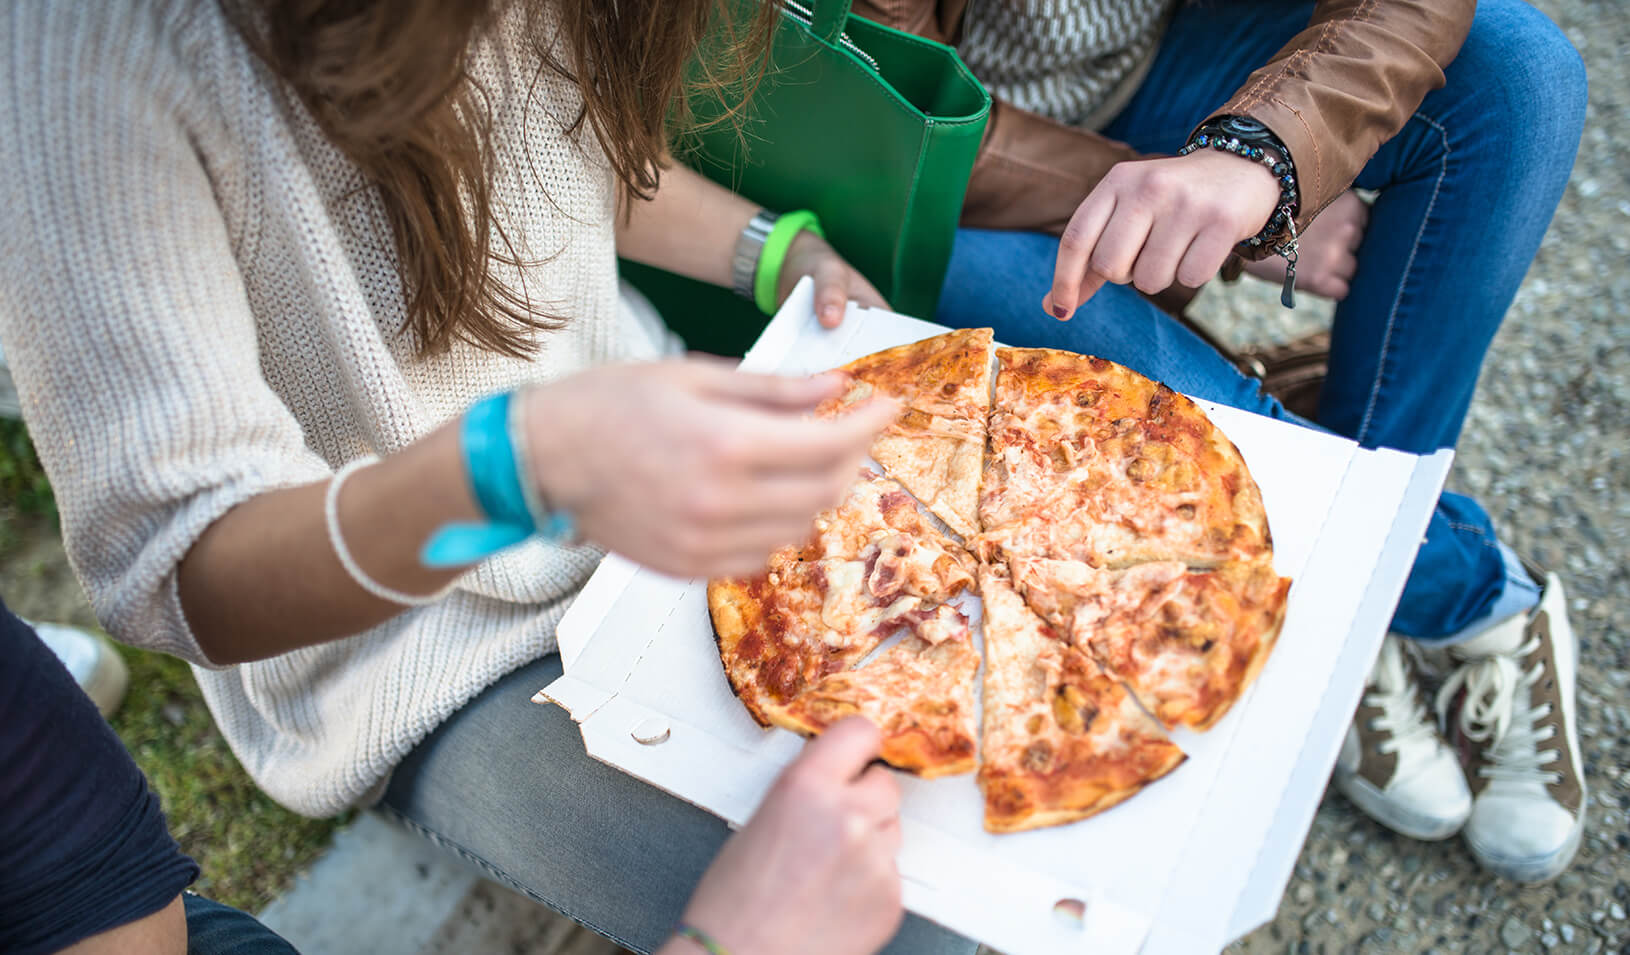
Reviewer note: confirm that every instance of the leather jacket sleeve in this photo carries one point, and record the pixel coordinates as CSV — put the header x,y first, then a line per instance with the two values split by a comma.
x,y
1348,83
1339,89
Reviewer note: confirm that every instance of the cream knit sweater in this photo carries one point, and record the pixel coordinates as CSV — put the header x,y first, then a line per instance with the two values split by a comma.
x,y
200,305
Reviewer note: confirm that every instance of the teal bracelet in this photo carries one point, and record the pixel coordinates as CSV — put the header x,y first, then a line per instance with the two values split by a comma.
x,y
774,255
489,459
683,930
497,481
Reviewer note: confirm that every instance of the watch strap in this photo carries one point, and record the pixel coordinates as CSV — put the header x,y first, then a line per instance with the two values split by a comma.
x,y
749,248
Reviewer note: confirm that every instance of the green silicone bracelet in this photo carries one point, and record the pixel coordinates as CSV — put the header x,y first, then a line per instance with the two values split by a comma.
x,y
774,255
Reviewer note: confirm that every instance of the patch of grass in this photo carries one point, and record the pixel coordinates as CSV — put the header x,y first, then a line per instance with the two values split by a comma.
x,y
24,491
250,848
22,480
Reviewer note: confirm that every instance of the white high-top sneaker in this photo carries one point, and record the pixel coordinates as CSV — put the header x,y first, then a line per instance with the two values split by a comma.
x,y
91,659
1508,708
1393,764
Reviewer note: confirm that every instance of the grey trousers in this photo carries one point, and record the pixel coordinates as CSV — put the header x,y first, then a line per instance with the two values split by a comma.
x,y
506,783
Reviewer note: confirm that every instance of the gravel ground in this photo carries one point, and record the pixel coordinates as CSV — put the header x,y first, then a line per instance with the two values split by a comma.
x,y
1545,450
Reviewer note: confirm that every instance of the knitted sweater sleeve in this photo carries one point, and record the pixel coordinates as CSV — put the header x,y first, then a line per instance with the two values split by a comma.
x,y
121,307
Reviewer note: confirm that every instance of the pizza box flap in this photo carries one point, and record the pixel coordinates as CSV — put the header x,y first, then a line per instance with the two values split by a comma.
x,y
642,677
1287,827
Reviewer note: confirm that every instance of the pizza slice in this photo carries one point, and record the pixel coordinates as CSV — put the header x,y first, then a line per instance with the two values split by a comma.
x,y
879,522
918,693
1093,462
936,447
871,565
1188,641
1062,740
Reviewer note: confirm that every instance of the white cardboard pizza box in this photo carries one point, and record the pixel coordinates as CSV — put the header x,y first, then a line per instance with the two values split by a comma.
x,y
1192,862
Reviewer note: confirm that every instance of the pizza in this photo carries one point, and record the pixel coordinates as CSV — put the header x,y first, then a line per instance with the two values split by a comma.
x,y
872,567
919,694
1186,640
1062,739
936,447
1116,542
1091,461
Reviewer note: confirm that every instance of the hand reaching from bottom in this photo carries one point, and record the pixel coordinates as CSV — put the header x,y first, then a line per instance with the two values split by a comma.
x,y
813,872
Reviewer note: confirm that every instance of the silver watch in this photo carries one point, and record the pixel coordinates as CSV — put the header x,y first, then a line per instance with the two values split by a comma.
x,y
749,246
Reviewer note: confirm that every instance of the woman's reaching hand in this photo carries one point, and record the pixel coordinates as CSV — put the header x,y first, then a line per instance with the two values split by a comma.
x,y
690,467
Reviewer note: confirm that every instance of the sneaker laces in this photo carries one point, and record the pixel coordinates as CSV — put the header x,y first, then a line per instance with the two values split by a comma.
x,y
1403,716
1496,713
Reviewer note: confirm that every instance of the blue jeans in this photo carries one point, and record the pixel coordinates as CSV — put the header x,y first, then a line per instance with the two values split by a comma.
x,y
1466,192
506,784
216,929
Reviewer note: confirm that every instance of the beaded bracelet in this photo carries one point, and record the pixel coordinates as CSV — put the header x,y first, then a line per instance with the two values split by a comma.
x,y
1276,157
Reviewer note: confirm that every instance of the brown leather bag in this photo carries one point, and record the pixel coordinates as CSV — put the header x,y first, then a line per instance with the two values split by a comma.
x,y
1293,372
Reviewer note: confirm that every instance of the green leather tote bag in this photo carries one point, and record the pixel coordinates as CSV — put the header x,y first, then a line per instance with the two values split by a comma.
x,y
873,129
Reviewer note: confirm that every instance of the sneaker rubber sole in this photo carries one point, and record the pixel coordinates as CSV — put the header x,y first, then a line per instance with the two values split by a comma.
x,y
1533,870
1375,804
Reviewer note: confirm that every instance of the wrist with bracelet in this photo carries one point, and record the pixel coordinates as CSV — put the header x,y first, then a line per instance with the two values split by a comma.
x,y
492,437
707,942
1251,140
761,251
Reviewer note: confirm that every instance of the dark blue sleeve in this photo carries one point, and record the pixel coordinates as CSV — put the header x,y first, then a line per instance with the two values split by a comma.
x,y
83,843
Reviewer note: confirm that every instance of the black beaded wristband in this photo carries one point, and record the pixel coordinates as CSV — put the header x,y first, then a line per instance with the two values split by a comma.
x,y
1249,139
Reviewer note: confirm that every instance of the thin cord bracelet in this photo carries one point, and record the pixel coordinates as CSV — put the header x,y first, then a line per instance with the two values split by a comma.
x,y
331,514
685,930
552,524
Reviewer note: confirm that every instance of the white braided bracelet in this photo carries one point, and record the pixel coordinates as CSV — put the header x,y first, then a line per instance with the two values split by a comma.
x,y
331,514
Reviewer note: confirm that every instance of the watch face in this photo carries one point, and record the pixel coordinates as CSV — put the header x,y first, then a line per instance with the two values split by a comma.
x,y
1242,126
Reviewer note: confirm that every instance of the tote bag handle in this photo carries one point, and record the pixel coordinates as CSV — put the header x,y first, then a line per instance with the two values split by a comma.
x,y
829,19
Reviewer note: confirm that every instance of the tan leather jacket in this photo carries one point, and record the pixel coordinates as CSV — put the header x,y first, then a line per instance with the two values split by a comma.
x,y
1333,95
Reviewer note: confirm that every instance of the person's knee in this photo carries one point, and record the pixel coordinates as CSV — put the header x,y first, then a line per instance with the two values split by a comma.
x,y
1522,68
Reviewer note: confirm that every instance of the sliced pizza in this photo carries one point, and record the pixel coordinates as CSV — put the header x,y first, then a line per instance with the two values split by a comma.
x,y
936,447
919,694
872,565
1188,641
1062,740
1091,461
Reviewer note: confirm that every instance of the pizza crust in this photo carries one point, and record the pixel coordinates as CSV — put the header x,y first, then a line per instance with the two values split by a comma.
x,y
1062,740
918,694
936,447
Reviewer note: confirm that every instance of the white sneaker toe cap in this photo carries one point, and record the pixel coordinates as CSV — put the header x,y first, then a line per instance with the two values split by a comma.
x,y
1430,803
1436,796
1522,838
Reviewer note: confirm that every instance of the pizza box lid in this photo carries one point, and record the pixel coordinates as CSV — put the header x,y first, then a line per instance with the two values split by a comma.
x,y
1195,860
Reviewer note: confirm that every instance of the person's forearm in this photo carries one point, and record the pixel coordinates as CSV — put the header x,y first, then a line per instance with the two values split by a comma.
x,y
689,227
265,578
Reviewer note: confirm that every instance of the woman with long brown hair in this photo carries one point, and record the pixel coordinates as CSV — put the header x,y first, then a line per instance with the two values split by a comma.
x,y
313,310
